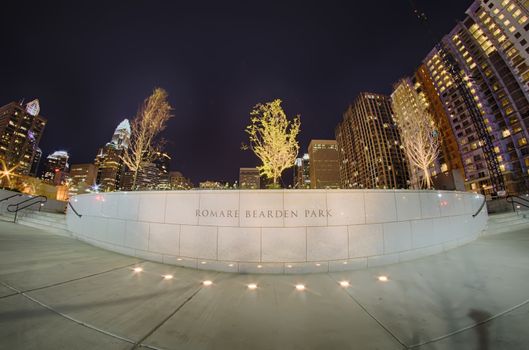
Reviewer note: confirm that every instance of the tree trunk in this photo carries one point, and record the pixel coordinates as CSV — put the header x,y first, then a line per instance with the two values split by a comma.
x,y
427,178
134,178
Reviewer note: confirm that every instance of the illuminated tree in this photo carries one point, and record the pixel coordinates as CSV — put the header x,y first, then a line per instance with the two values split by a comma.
x,y
150,120
273,138
418,132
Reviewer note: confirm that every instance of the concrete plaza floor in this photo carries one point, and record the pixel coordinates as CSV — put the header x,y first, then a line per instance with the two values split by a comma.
x,y
59,293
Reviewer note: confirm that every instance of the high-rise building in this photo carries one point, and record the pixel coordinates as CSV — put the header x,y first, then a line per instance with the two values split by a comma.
x,y
449,154
35,162
249,178
480,72
369,146
121,137
324,167
302,172
21,128
409,101
179,182
109,168
108,160
56,168
154,175
83,176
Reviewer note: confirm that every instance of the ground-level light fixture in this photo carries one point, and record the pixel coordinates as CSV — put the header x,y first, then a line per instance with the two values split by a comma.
x,y
207,283
167,277
383,278
252,286
137,269
300,286
344,284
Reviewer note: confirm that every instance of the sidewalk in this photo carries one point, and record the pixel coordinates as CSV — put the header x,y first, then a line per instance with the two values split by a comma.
x,y
59,293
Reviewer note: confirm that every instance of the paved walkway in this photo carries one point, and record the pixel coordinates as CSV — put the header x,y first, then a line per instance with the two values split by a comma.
x,y
59,293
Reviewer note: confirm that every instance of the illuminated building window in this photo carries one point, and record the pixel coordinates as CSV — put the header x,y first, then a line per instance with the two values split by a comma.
x,y
506,133
522,141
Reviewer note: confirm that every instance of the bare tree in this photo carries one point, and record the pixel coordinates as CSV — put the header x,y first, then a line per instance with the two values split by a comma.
x,y
273,138
418,132
150,120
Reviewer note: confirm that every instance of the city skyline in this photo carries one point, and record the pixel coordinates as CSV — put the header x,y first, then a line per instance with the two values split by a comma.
x,y
306,73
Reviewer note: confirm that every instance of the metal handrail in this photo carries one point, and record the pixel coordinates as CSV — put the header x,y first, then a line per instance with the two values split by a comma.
x,y
75,211
9,197
480,207
515,199
16,206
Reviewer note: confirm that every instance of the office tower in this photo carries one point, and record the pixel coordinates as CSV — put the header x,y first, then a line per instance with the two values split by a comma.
x,y
109,168
21,128
108,160
154,175
162,161
56,168
370,151
410,101
35,162
324,167
480,72
177,181
121,137
302,172
249,178
83,177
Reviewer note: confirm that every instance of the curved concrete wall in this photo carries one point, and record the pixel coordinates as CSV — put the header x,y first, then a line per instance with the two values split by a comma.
x,y
278,231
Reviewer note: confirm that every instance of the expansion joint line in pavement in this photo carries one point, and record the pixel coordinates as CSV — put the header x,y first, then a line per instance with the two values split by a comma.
x,y
70,318
372,316
433,340
489,319
70,280
155,328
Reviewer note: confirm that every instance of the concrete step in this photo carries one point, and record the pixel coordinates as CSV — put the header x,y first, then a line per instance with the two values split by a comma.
x,y
55,230
39,221
51,222
57,218
500,223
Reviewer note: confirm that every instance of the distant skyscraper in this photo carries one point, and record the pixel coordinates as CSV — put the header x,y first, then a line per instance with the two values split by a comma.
x,y
324,167
249,178
56,167
108,161
121,137
179,182
302,172
83,176
35,162
21,128
154,175
369,144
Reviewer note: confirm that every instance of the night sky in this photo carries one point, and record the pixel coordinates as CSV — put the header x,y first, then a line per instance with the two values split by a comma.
x,y
91,64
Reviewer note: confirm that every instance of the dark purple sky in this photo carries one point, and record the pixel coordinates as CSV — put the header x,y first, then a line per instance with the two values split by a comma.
x,y
92,63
